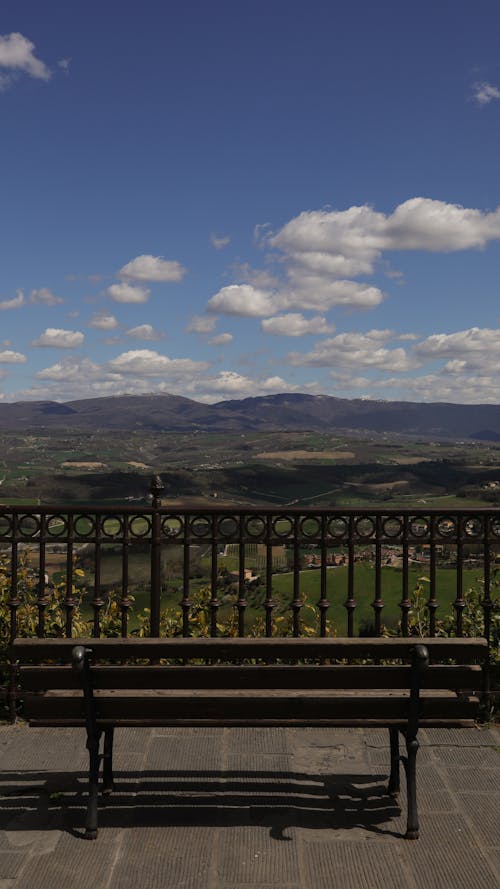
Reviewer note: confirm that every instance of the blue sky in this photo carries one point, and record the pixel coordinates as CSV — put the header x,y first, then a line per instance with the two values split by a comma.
x,y
232,199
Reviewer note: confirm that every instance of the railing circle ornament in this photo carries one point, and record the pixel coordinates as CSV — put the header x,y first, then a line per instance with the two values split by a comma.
x,y
446,527
364,527
283,526
338,528
228,526
418,527
111,526
5,526
495,527
310,526
139,526
392,526
255,526
200,526
172,526
473,527
57,526
84,526
29,526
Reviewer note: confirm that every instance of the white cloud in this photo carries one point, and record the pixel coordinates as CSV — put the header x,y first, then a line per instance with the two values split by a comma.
x,y
17,56
145,362
64,64
242,299
103,321
59,339
201,324
229,384
221,340
219,242
484,93
128,293
144,332
294,324
72,370
44,296
9,357
356,350
323,251
15,303
475,348
152,268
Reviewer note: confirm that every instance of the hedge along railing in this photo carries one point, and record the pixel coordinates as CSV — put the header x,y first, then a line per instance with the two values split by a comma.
x,y
428,539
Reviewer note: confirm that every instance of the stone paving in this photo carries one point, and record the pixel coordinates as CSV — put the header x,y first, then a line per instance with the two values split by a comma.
x,y
249,809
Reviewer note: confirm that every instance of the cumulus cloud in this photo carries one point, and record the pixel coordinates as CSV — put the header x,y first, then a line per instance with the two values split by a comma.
x,y
294,324
473,348
45,297
15,303
144,332
152,268
9,357
103,321
242,299
229,384
146,362
356,350
128,293
221,340
201,324
219,242
483,93
71,370
57,338
322,252
17,56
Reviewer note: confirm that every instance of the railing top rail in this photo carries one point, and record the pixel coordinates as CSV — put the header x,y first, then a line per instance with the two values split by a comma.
x,y
127,509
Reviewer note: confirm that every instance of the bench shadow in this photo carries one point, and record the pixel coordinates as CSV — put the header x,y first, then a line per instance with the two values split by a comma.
x,y
32,800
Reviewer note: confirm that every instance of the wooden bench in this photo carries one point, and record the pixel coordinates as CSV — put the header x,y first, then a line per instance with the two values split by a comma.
x,y
105,683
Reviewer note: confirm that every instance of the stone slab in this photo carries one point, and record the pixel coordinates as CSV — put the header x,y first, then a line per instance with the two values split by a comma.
x,y
155,858
91,861
354,865
265,741
252,855
460,737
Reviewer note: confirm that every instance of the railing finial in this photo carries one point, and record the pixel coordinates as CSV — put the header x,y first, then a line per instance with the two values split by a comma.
x,y
156,489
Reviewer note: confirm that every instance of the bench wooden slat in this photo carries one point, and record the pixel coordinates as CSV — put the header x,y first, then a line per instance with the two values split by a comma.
x,y
241,676
461,650
252,707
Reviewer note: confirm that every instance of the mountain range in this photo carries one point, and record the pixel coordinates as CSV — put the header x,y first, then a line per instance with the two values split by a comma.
x,y
324,413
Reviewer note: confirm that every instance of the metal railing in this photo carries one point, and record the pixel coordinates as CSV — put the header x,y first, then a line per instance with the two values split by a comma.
x,y
267,548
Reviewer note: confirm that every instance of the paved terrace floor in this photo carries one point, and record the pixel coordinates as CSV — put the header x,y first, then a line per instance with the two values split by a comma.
x,y
249,809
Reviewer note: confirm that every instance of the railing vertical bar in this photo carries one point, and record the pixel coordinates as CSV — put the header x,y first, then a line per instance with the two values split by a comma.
x,y
432,603
69,601
14,603
155,567
42,591
214,600
405,603
459,603
487,603
323,603
350,603
269,603
378,602
97,600
242,601
186,601
296,603
125,600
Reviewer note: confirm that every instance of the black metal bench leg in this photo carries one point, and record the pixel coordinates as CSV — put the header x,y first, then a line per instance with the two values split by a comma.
x,y
92,804
394,784
410,762
107,772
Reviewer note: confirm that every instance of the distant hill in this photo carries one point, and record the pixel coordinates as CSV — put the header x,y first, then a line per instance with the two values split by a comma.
x,y
172,413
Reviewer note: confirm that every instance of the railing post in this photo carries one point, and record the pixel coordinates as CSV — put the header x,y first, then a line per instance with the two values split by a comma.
x,y
156,489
